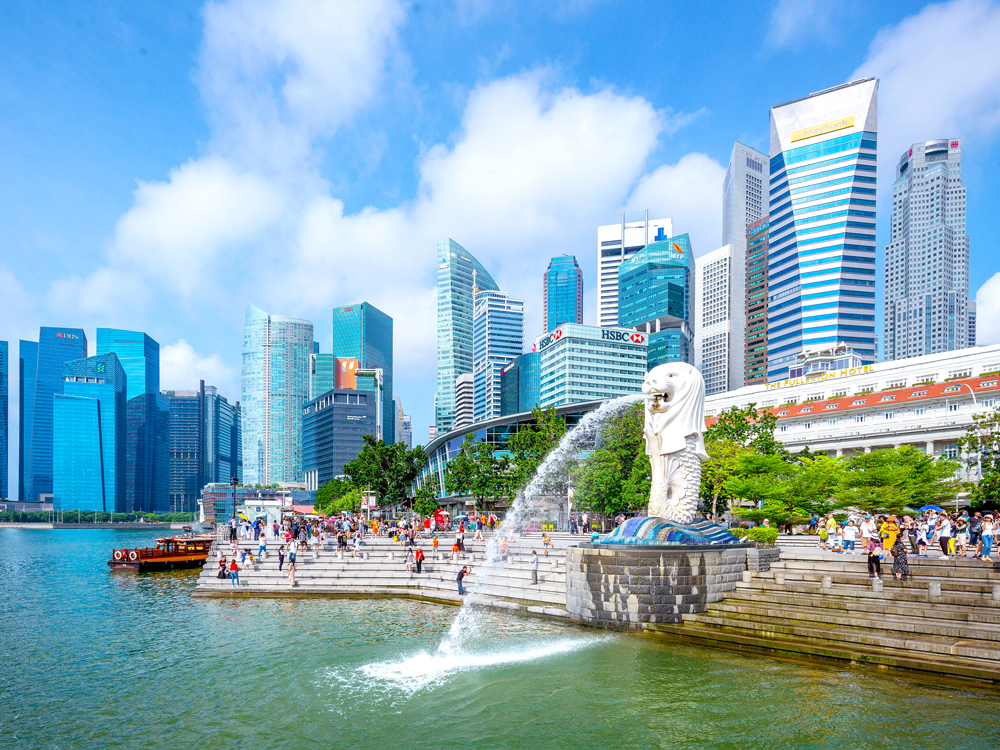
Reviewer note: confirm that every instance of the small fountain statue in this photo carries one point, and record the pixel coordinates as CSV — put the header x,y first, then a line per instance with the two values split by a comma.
x,y
673,426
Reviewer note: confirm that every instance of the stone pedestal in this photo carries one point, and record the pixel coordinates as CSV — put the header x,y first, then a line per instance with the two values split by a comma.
x,y
627,587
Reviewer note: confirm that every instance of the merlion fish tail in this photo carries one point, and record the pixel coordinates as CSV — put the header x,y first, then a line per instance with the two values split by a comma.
x,y
683,483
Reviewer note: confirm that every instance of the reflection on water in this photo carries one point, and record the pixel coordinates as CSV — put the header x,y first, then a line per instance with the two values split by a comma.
x,y
100,659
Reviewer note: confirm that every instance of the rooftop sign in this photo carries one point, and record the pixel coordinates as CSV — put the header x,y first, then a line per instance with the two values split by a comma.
x,y
826,127
829,375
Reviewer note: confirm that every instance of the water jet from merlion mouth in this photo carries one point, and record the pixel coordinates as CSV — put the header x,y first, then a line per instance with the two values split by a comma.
x,y
581,437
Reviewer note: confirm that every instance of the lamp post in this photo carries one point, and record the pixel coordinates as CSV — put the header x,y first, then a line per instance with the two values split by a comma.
x,y
233,482
979,454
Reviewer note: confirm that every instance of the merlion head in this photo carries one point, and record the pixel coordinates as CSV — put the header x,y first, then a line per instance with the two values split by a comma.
x,y
677,391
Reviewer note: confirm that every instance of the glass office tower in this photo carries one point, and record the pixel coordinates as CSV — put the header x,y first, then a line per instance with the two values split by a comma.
x,y
520,383
656,296
821,260
274,381
56,347
4,420
147,442
27,362
364,332
497,338
459,273
321,374
755,367
562,293
926,307
89,436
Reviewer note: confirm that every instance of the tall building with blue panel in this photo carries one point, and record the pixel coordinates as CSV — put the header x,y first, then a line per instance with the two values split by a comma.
x,y
562,293
147,442
56,347
4,419
497,338
520,383
89,420
821,255
365,332
27,363
656,297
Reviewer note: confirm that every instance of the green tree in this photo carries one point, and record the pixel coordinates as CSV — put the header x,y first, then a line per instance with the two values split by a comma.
x,y
616,476
387,470
892,479
332,490
981,447
533,441
764,480
748,427
723,463
425,502
598,483
478,471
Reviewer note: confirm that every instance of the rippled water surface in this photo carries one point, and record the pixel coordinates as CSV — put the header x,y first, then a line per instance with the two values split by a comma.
x,y
95,659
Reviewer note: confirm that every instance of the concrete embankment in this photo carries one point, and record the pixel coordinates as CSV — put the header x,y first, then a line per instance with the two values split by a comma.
x,y
116,526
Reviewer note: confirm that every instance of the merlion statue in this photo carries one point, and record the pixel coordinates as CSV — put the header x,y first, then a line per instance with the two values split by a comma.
x,y
673,426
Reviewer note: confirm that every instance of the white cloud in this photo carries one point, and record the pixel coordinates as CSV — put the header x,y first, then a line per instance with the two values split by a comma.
x,y
940,75
176,230
107,294
690,193
277,74
988,311
181,367
796,22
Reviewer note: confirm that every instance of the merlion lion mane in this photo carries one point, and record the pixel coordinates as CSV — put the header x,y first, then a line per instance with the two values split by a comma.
x,y
673,426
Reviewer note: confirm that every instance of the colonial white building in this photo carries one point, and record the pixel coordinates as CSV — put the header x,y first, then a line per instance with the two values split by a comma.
x,y
927,402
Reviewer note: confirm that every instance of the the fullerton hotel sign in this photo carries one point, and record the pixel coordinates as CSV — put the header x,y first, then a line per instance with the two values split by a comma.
x,y
828,375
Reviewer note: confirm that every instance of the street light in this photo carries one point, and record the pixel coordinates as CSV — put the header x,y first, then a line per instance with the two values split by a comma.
x,y
979,454
234,481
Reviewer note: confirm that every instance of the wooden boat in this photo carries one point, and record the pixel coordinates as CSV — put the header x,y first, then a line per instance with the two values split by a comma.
x,y
170,552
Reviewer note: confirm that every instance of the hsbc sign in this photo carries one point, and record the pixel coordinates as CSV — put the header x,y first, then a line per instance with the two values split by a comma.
x,y
607,334
612,335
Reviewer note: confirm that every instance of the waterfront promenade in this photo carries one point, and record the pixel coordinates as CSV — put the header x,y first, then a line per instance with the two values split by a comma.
x,y
944,623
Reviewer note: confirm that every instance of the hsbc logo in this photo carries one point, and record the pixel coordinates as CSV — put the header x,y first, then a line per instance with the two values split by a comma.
x,y
612,335
637,338
557,334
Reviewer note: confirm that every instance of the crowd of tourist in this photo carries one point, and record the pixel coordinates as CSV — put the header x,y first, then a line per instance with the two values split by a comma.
x,y
934,533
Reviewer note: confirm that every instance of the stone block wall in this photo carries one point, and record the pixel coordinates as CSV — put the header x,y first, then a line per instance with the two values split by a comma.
x,y
628,587
759,560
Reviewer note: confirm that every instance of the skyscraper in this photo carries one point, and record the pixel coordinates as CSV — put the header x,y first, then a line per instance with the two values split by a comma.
x,y
321,377
497,338
147,440
56,347
464,400
821,266
27,361
972,322
406,436
926,306
562,293
458,274
714,330
364,332
274,382
755,366
4,420
616,243
656,296
89,436
744,201
520,384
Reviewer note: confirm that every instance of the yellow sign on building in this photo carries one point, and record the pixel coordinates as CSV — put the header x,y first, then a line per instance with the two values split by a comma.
x,y
826,127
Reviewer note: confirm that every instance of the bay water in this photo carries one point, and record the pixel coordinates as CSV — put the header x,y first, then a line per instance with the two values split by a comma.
x,y
100,659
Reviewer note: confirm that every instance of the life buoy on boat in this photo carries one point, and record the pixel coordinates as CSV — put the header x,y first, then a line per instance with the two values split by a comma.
x,y
118,554
133,556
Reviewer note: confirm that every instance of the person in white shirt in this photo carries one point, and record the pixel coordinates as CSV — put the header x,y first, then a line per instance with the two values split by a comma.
x,y
850,536
867,529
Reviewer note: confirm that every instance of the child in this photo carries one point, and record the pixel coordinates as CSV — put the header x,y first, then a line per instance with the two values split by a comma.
x,y
838,541
435,543
850,536
921,540
546,544
454,551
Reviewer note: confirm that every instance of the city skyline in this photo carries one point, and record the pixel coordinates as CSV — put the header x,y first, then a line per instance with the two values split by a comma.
x,y
166,282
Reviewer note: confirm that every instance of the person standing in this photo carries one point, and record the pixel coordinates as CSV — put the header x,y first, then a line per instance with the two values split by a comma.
x,y
315,542
533,564
546,544
232,529
291,572
466,570
900,564
234,572
874,550
943,530
962,536
409,560
281,557
293,548
262,545
850,536
988,530
419,557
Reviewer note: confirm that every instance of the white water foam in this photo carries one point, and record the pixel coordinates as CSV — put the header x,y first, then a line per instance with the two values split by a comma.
x,y
424,669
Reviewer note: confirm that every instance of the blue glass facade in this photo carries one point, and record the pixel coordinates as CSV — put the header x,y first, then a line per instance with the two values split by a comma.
x,y
520,384
656,296
821,252
321,374
139,356
27,355
562,293
147,443
89,419
56,347
365,332
458,274
4,419
333,430
274,382
497,338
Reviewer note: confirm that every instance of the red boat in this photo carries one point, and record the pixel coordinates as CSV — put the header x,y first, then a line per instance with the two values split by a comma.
x,y
170,552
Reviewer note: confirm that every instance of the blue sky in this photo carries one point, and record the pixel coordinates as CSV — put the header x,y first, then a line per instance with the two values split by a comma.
x,y
165,164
